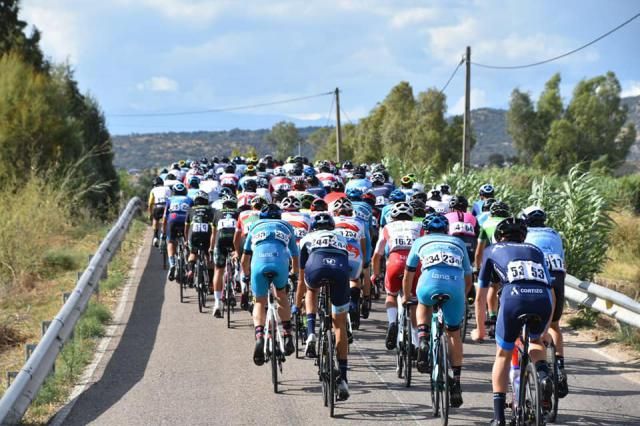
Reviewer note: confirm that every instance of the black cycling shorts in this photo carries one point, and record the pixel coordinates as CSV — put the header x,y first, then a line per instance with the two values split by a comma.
x,y
558,288
221,250
157,212
199,240
334,268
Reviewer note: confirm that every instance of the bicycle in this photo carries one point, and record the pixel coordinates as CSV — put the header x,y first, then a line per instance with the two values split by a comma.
x,y
299,326
438,347
554,375
201,276
229,296
404,345
181,270
274,341
326,361
163,253
526,406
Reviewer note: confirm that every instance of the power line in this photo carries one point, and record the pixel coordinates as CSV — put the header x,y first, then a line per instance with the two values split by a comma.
x,y
333,99
214,110
346,116
511,67
452,75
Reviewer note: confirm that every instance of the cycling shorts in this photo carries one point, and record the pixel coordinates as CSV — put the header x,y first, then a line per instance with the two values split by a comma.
x,y
355,267
518,299
332,267
175,229
221,250
158,211
558,287
396,262
269,258
442,281
199,240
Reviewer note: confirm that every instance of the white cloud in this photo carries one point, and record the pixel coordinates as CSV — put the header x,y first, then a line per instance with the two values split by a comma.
x,y
632,89
200,11
158,84
308,116
478,100
223,47
61,37
412,16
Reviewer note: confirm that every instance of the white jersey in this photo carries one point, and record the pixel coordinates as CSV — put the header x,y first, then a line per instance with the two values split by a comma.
x,y
160,194
169,183
446,198
264,193
211,188
439,206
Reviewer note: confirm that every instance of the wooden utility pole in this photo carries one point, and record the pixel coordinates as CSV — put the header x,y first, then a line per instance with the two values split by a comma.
x,y
338,129
466,127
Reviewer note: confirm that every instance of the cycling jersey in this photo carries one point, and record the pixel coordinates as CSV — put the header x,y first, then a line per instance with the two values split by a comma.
x,y
280,182
464,226
229,179
200,222
244,179
334,196
246,219
488,229
244,198
408,191
157,201
476,210
224,222
301,223
192,192
521,269
439,206
176,211
171,182
363,212
381,193
353,231
362,184
324,257
264,193
395,242
326,179
271,243
444,263
318,191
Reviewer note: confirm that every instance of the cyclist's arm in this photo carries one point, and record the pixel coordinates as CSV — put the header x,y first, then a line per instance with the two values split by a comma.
x,y
480,252
363,246
377,254
212,239
151,203
246,256
237,239
409,272
484,281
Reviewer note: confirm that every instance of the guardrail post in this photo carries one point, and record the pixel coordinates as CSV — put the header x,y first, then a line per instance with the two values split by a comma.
x,y
45,325
65,297
10,376
29,348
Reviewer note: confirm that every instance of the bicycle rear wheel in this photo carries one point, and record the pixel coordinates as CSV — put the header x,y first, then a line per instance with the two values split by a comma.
x,y
274,354
407,346
443,371
163,253
465,321
554,373
200,286
530,412
180,276
331,369
434,350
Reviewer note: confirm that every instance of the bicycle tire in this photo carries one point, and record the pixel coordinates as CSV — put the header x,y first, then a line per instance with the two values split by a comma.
x,y
330,376
531,409
179,277
399,360
274,355
163,253
444,377
295,319
434,350
465,322
554,373
408,352
323,369
199,286
228,291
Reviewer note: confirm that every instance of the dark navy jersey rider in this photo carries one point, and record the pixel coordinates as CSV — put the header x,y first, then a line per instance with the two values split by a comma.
x,y
526,288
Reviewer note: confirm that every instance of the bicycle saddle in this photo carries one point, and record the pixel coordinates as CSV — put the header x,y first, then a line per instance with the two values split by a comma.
x,y
530,318
440,297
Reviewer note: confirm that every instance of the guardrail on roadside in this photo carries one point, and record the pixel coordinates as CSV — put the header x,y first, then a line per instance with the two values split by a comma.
x,y
602,299
29,380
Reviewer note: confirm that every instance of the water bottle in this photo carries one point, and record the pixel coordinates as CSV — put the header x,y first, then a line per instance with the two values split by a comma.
x,y
514,377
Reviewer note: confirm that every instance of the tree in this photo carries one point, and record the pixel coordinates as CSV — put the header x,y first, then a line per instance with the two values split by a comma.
x,y
369,135
284,138
560,149
523,126
13,37
398,121
550,106
429,143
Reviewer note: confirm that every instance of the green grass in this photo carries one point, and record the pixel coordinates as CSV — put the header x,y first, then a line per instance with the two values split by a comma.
x,y
622,269
585,318
630,336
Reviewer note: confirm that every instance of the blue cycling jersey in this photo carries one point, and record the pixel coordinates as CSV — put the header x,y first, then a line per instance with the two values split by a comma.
x,y
385,215
514,263
177,208
318,191
476,210
271,236
192,192
439,253
482,217
550,242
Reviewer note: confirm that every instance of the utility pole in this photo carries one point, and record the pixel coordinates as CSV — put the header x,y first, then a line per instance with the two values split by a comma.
x,y
338,129
466,126
299,147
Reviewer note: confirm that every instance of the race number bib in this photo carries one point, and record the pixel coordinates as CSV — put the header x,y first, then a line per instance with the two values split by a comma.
x,y
519,270
444,258
282,236
259,236
349,234
328,242
462,228
402,240
555,263
226,223
179,207
228,181
299,232
161,199
199,227
284,186
362,215
380,200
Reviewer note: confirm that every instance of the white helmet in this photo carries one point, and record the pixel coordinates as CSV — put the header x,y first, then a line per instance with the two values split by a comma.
x,y
401,208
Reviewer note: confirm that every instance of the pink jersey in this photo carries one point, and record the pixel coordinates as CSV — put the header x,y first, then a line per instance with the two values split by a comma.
x,y
461,223
398,236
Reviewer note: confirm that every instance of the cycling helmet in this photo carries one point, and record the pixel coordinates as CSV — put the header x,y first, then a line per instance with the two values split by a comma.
x,y
487,190
252,161
434,195
306,200
407,181
289,159
401,211
237,160
342,207
429,210
279,195
369,198
359,172
225,160
511,229
224,191
534,216
354,194
337,186
419,195
164,171
171,176
263,182
459,202
499,209
271,211
419,208
179,189
194,182
250,185
279,171
435,223
181,163
299,184
230,168
486,205
348,165
290,203
396,196
309,171
201,198
444,188
257,203
194,165
323,221
378,178
158,181
204,160
250,170
319,205
229,201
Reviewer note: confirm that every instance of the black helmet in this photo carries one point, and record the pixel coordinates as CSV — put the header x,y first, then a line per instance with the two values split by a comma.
x,y
459,202
230,168
511,229
499,209
279,195
434,194
250,185
229,201
257,203
201,198
271,211
486,205
419,195
347,165
170,176
337,186
419,208
534,216
319,205
323,221
444,188
158,181
179,189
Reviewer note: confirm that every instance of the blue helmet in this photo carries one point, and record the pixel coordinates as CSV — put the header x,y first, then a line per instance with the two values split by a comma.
x,y
323,221
396,196
179,189
271,211
435,223
194,181
309,171
354,194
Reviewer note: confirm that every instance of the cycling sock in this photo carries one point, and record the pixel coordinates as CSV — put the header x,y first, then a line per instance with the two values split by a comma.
x,y
392,314
342,365
355,298
423,330
286,326
493,316
560,359
542,367
499,399
217,295
456,373
155,233
172,261
259,331
192,264
311,324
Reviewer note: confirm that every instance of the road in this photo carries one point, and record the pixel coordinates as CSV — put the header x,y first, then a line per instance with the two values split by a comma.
x,y
169,364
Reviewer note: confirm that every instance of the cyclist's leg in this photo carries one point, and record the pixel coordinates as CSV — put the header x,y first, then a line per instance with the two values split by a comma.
x,y
393,285
554,329
220,260
260,288
356,269
424,311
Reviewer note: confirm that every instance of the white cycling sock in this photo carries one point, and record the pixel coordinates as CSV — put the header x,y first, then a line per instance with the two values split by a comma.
x,y
217,295
414,336
392,315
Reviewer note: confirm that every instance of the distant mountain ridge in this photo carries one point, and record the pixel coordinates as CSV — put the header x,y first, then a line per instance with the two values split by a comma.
x,y
155,149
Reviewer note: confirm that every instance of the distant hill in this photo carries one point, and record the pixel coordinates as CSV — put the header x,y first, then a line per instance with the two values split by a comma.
x,y
153,149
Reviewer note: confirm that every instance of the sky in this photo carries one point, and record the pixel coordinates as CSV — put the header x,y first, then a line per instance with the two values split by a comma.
x,y
150,56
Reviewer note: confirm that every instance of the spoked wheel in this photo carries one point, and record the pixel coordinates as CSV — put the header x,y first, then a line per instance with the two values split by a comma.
x,y
408,350
295,319
435,378
443,379
180,279
399,360
200,287
530,412
274,355
228,295
554,373
329,373
163,253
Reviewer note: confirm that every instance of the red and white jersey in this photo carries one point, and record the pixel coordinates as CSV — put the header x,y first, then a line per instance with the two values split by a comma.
x,y
398,235
280,182
461,223
245,219
228,179
353,231
300,221
326,178
245,198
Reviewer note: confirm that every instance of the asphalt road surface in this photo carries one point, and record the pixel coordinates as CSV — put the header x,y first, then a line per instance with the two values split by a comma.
x,y
169,364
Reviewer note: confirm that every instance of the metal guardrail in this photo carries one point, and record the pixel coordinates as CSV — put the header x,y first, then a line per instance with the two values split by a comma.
x,y
29,380
602,299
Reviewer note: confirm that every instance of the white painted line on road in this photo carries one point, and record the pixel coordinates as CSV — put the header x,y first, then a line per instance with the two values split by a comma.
x,y
101,349
385,383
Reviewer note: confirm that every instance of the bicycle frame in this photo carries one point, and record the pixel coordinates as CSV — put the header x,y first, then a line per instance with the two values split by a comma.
x,y
273,317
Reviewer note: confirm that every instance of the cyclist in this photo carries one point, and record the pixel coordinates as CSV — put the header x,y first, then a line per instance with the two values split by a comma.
x,y
395,242
463,224
359,180
337,192
420,210
279,180
250,173
193,185
157,201
171,180
175,215
445,192
526,289
396,196
484,215
324,256
198,230
550,242
317,206
300,222
269,245
406,185
248,192
298,187
378,188
435,201
486,191
446,269
314,186
229,177
224,227
263,189
497,213
325,176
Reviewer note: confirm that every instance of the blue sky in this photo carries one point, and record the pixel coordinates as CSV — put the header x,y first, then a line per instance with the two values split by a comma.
x,y
139,56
